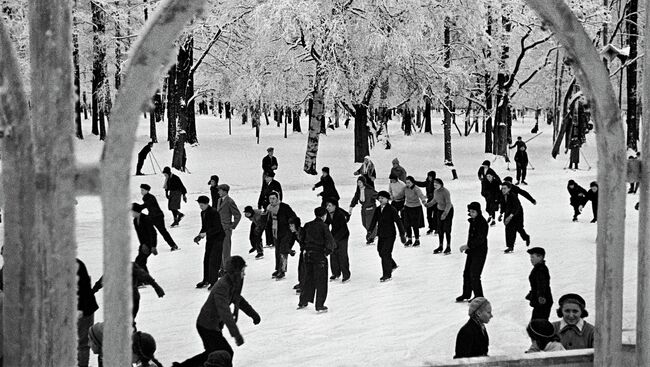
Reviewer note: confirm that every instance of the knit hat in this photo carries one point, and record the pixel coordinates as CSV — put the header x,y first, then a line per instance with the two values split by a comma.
x,y
431,174
137,207
537,251
326,170
144,345
320,211
249,209
167,170
474,206
383,193
476,304
541,328
507,179
96,334
220,358
235,264
395,161
224,187
362,179
575,299
486,163
146,187
203,199
269,149
214,178
571,182
593,184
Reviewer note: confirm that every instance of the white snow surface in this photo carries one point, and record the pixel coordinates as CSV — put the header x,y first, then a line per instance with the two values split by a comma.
x,y
409,321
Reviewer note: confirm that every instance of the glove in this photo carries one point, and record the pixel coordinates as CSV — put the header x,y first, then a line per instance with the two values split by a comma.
x,y
154,251
256,319
239,340
541,300
159,291
184,198
197,239
464,248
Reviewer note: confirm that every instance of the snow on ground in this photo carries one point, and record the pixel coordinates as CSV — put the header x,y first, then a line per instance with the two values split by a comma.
x,y
409,321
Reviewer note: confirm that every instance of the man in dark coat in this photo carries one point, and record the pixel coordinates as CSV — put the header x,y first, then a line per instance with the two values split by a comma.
x,y
86,307
484,170
476,250
592,195
472,339
278,215
491,191
142,156
519,191
269,162
521,159
540,297
174,190
329,189
431,211
338,219
156,215
317,243
268,186
214,189
212,231
146,235
513,217
385,219
577,198
216,313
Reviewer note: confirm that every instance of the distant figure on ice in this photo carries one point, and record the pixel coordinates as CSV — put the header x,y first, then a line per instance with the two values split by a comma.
x,y
476,250
573,330
513,217
491,191
146,235
366,196
412,215
329,189
269,162
212,231
384,219
214,188
634,186
431,211
398,170
230,216
521,159
577,198
318,243
442,200
216,313
396,191
174,191
156,215
592,195
338,219
142,156
543,337
367,170
278,215
258,222
472,339
539,297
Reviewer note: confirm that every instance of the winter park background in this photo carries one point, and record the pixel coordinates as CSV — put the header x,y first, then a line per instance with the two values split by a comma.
x,y
409,321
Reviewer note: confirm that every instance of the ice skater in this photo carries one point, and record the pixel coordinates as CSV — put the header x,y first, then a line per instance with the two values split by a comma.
x,y
142,156
338,219
398,170
476,250
230,217
592,195
258,222
156,215
367,171
278,215
412,215
429,189
573,330
396,191
513,217
269,162
577,198
539,297
442,200
212,231
146,235
268,186
491,191
384,219
214,188
521,159
366,196
329,188
174,191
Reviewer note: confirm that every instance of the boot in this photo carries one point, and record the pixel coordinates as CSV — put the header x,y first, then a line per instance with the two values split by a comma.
x,y
408,243
416,243
448,250
438,250
462,298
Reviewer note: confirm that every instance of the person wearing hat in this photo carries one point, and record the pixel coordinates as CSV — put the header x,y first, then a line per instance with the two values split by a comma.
x,y
230,217
338,219
141,158
543,337
86,307
484,170
521,159
143,347
445,210
574,331
216,313
220,358
214,188
472,339
513,217
367,171
329,189
476,250
318,242
384,219
366,196
577,198
592,195
269,162
156,215
96,341
146,235
398,170
429,188
212,231
539,297
174,191
491,191
277,219
268,186
258,222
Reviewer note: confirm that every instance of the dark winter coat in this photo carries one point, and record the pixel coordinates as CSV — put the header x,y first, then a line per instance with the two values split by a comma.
x,y
477,236
211,222
368,206
483,172
577,194
86,302
399,172
145,230
510,205
385,220
428,185
214,195
491,191
284,236
228,212
216,312
339,222
268,188
472,340
174,189
521,192
150,202
318,238
592,196
521,157
329,189
540,285
268,162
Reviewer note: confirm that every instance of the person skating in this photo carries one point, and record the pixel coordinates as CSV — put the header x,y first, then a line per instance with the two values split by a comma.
x,y
573,330
592,195
577,198
146,235
295,226
398,170
521,160
214,188
278,215
174,191
329,189
412,215
216,313
513,217
230,217
367,171
491,191
539,297
442,199
472,339
519,191
142,156
318,243
384,220
366,196
212,231
484,170
396,191
338,219
268,186
431,211
476,250
269,162
542,336
156,215
86,307
258,222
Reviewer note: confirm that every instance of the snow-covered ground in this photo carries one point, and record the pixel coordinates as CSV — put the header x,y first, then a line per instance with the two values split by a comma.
x,y
409,321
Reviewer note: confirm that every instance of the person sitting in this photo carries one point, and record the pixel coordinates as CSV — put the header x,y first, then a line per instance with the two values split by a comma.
x,y
573,330
543,337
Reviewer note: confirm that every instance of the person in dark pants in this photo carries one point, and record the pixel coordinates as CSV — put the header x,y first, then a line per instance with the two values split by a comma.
x,y
216,313
146,235
269,162
431,211
329,189
258,222
476,250
268,186
156,215
174,191
514,217
86,307
214,189
577,198
518,191
213,233
442,199
491,191
338,219
295,226
592,195
278,215
385,218
539,297
142,156
521,159
318,242
472,339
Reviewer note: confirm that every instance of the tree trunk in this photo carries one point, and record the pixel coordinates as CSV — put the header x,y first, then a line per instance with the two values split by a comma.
x,y
336,114
449,106
406,120
427,115
172,106
468,118
296,120
77,76
488,91
502,115
632,120
316,115
361,145
118,50
99,69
